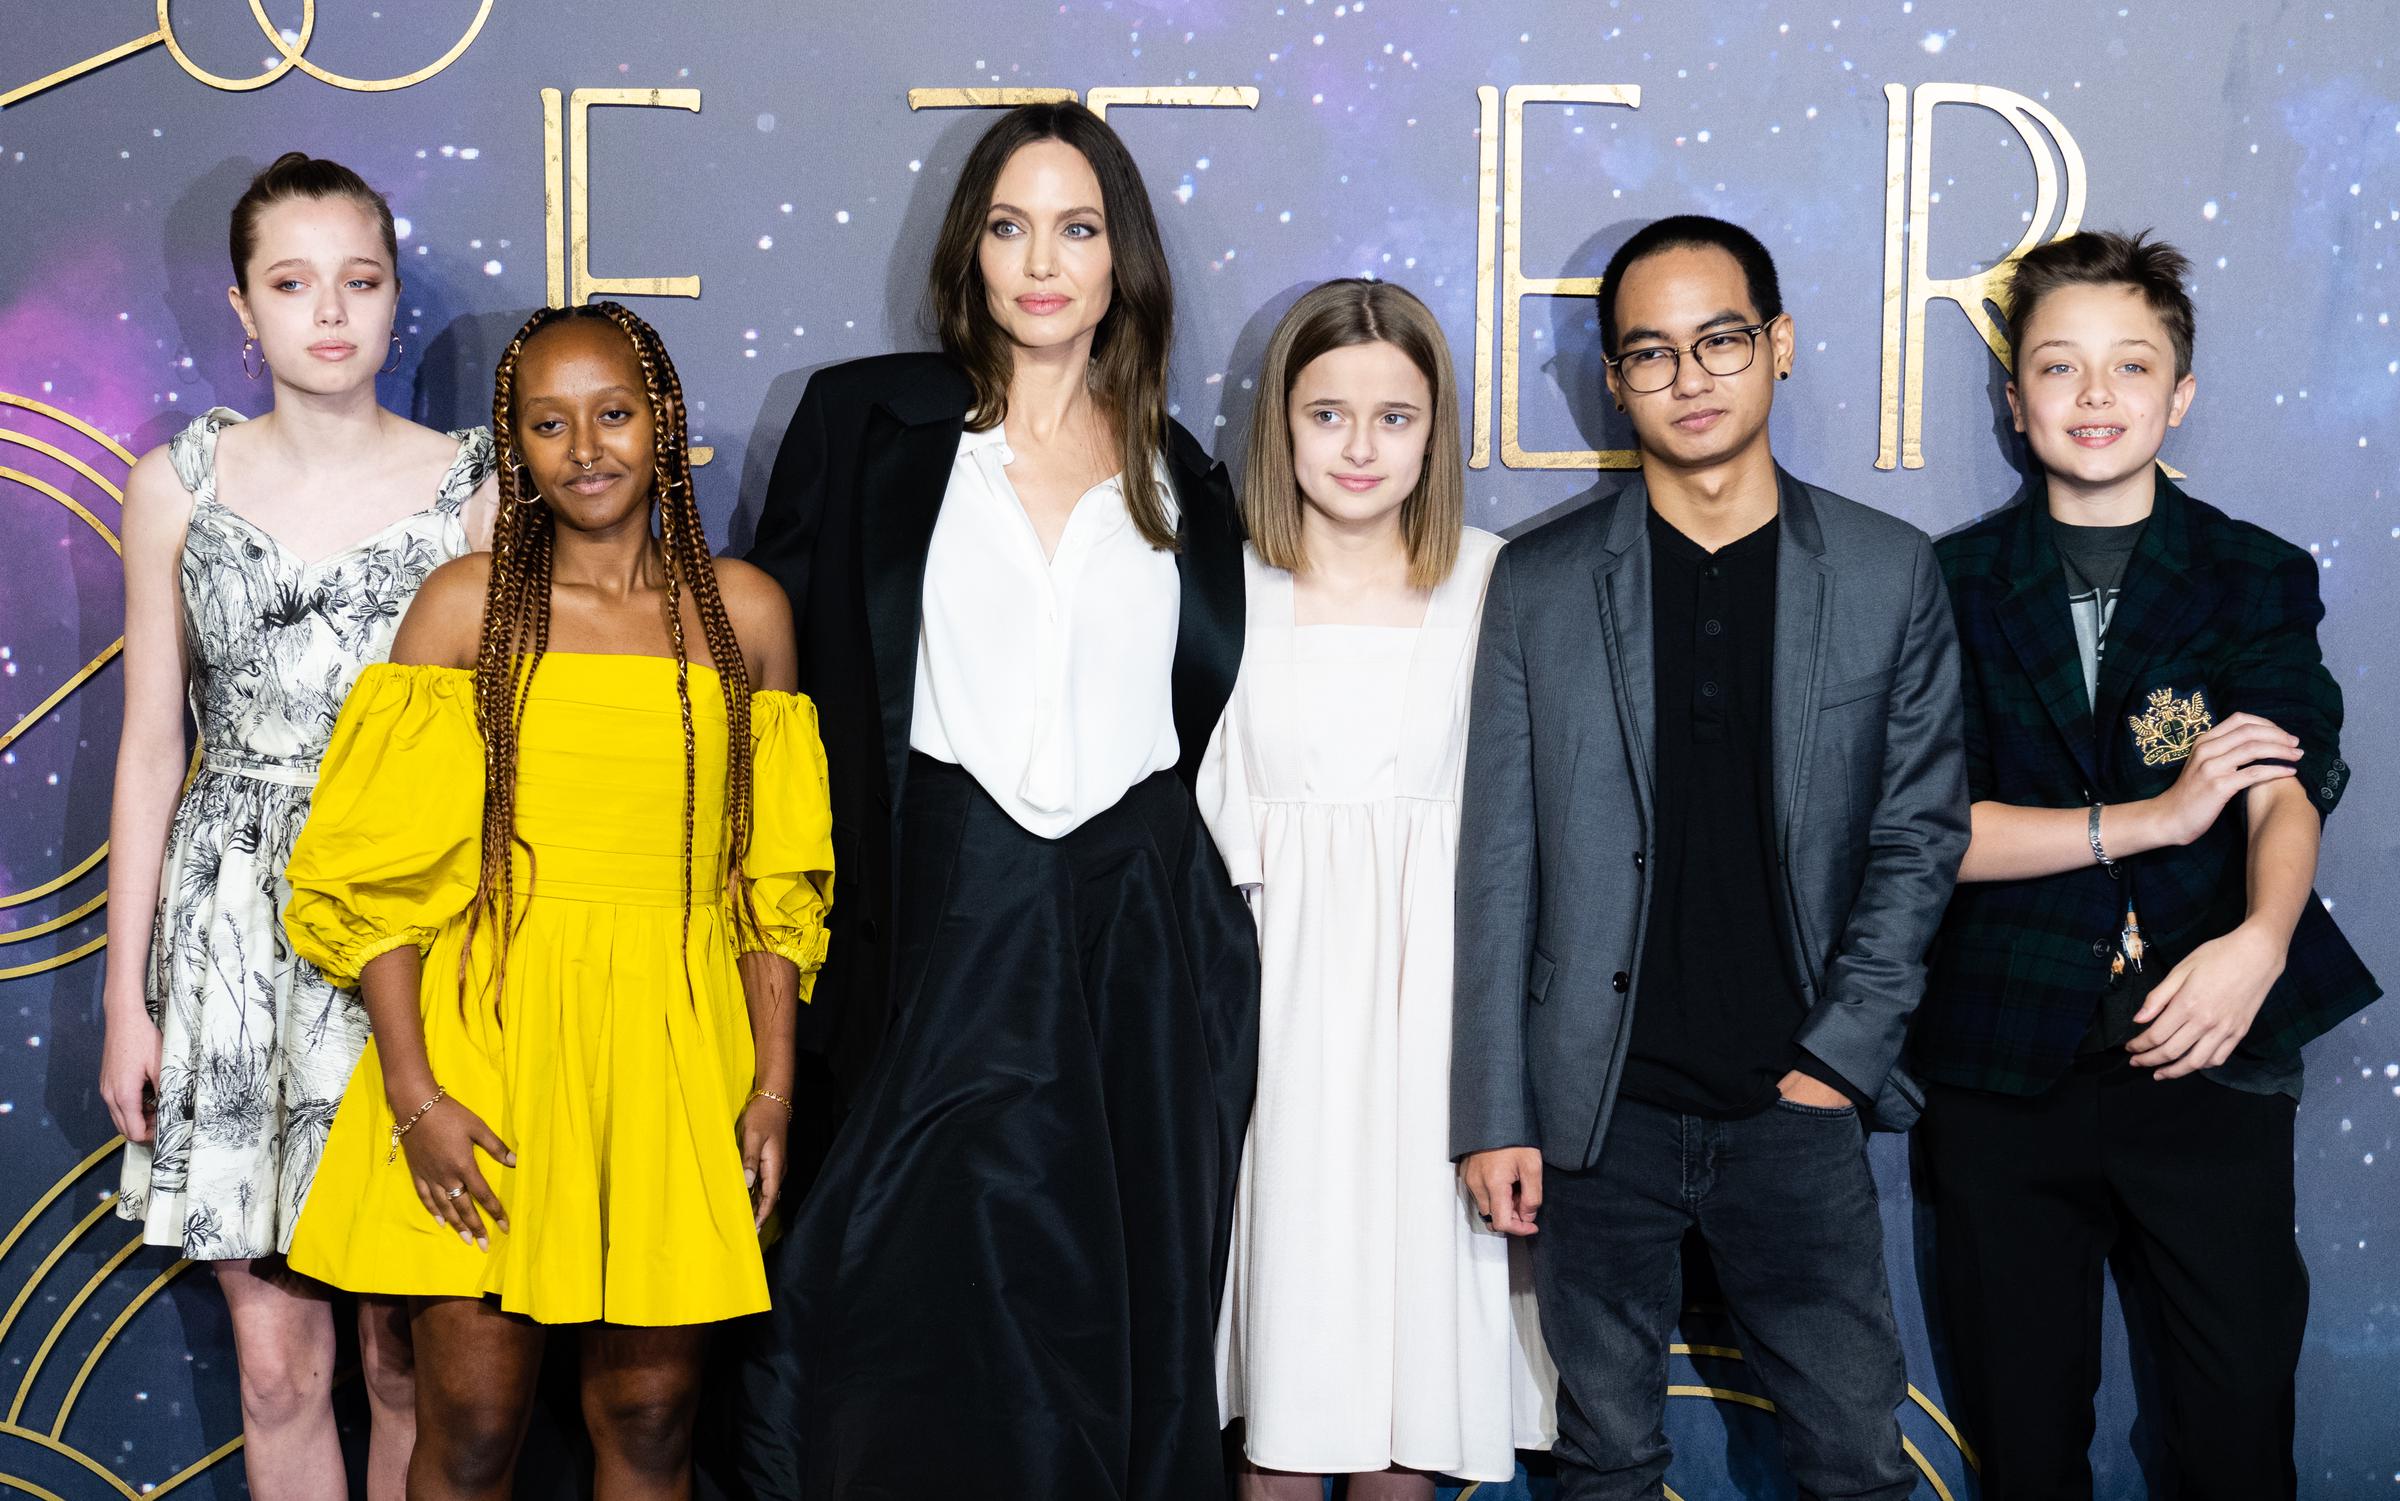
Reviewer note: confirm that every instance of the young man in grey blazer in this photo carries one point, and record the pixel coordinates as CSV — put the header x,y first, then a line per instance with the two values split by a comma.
x,y
1715,802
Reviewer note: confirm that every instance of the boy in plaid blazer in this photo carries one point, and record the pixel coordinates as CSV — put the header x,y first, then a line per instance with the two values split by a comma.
x,y
2112,1028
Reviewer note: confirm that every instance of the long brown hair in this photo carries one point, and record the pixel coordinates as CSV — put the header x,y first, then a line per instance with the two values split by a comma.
x,y
1336,316
1129,349
516,629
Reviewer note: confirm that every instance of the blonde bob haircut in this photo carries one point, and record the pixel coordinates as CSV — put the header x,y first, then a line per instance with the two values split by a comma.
x,y
1338,315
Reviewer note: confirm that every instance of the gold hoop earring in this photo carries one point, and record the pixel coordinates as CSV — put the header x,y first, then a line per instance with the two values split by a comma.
x,y
247,346
398,349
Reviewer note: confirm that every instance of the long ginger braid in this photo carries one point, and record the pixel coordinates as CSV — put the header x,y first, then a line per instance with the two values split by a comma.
x,y
516,629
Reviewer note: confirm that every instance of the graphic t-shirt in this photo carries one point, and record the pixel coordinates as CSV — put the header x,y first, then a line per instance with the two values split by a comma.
x,y
2095,558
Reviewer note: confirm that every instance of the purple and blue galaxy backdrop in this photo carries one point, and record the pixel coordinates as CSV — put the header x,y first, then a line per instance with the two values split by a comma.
x,y
804,194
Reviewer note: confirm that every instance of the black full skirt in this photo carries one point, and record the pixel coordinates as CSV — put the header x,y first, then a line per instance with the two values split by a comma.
x,y
1004,1281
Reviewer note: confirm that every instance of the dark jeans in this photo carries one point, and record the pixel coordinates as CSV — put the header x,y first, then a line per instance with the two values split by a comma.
x,y
2186,1187
1786,1205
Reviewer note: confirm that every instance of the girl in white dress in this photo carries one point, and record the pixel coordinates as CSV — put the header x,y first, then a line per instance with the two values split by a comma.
x,y
266,563
1371,1326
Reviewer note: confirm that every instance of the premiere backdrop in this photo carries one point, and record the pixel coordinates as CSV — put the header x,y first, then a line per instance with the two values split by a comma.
x,y
763,180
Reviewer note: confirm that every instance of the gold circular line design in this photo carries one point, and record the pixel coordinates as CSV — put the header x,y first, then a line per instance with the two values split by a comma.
x,y
55,883
69,419
30,1489
1941,1418
33,1436
73,1177
294,54
86,865
69,501
66,920
1924,1403
73,683
1748,1399
46,705
66,1316
24,440
196,1467
108,1338
60,961
58,1251
183,59
34,715
1925,1467
1722,1394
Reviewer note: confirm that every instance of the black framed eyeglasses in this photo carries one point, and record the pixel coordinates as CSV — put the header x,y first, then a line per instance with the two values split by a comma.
x,y
1722,352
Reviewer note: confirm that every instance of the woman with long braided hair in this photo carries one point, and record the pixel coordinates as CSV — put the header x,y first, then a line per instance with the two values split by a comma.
x,y
575,847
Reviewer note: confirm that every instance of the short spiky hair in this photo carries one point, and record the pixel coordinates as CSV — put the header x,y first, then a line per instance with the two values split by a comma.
x,y
1676,233
2105,258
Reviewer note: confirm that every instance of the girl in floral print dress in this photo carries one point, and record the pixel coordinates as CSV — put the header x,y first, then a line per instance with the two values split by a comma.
x,y
266,563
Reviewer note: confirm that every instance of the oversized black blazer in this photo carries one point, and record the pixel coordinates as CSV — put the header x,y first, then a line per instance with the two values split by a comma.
x,y
848,518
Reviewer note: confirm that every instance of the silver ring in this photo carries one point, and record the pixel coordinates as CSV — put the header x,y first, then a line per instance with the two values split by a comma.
x,y
454,1193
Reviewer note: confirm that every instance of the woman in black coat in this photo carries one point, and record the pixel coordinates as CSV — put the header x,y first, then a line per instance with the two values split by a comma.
x,y
1018,586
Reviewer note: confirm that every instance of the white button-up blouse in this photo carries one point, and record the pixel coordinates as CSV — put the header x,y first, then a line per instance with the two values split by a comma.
x,y
1050,680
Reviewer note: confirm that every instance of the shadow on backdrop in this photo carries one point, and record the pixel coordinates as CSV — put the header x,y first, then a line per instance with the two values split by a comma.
x,y
1573,368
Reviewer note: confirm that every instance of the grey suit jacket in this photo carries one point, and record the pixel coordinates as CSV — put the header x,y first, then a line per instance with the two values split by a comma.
x,y
1554,853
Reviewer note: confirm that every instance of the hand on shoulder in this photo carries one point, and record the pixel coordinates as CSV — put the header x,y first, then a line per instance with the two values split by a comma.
x,y
762,623
444,624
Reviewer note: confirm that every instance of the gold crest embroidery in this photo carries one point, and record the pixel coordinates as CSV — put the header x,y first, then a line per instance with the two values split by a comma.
x,y
2165,734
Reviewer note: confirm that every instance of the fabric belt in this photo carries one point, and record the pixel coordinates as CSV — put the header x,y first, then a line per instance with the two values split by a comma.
x,y
257,768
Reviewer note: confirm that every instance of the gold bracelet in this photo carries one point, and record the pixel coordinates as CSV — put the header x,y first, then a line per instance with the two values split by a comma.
x,y
441,1092
769,1094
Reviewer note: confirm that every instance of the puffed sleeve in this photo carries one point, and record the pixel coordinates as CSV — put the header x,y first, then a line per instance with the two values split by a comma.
x,y
1222,790
790,864
393,841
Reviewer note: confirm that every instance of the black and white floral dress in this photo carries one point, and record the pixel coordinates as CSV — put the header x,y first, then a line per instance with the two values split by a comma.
x,y
255,1046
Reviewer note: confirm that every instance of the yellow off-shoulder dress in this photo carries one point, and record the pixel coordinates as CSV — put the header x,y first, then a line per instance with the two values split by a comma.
x,y
616,1085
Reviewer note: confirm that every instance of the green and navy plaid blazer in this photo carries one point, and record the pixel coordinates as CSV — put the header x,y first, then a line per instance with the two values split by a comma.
x,y
2211,607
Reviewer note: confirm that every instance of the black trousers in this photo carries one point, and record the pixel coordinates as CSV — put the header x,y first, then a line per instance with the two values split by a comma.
x,y
2186,1187
1004,1282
